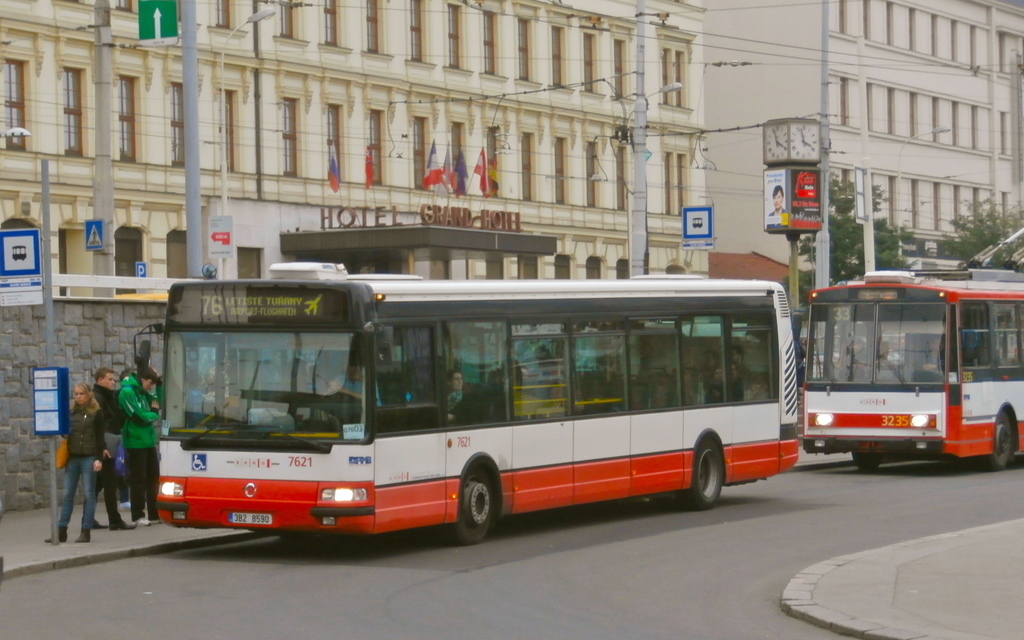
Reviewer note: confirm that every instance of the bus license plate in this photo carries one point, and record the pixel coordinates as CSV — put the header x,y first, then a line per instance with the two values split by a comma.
x,y
263,519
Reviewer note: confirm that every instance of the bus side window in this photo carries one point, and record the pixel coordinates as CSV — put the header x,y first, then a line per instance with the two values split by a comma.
x,y
405,380
974,337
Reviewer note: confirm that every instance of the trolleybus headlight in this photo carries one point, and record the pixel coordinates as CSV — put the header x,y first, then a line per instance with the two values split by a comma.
x,y
172,489
922,420
343,494
823,419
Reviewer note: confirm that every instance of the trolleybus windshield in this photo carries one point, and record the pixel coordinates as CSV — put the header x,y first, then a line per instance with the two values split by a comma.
x,y
876,342
267,389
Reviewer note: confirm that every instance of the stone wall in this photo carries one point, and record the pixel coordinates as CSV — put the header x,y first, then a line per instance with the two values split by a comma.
x,y
89,334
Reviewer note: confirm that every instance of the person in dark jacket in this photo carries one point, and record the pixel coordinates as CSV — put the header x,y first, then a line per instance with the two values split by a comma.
x,y
85,449
110,419
138,437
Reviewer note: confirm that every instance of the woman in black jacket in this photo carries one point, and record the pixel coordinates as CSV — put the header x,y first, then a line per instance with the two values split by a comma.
x,y
85,451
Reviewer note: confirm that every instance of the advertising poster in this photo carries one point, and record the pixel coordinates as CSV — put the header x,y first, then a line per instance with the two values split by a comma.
x,y
776,212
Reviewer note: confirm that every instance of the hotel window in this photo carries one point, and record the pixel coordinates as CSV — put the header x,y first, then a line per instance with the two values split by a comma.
x,y
937,204
844,101
593,268
1004,132
14,100
331,22
915,204
956,202
372,27
619,66
458,137
375,133
592,177
527,267
490,45
334,112
222,13
454,34
972,54
416,30
912,29
286,16
588,61
126,118
229,102
559,177
953,33
72,83
935,34
675,183
178,125
673,69
563,267
419,151
250,263
622,269
889,24
912,112
523,36
842,16
620,178
557,56
866,15
936,113
891,187
123,5
526,157
954,124
974,127
890,111
290,137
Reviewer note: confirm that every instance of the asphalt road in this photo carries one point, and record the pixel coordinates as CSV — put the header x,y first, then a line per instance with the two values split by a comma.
x,y
635,569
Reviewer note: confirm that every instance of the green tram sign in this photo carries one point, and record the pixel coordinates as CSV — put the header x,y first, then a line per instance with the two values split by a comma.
x,y
158,22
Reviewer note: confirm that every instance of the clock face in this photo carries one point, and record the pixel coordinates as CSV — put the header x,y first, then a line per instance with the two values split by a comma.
x,y
776,142
804,142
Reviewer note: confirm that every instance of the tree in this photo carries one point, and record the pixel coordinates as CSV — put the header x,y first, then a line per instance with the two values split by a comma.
x,y
985,225
847,235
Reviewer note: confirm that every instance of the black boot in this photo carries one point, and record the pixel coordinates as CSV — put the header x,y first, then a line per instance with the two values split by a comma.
x,y
62,535
85,536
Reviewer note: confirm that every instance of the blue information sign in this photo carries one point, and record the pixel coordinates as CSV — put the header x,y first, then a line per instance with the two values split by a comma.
x,y
19,253
698,228
93,235
140,269
51,401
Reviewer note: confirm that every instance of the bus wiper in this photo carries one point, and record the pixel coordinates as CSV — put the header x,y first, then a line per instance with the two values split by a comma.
x,y
322,447
221,426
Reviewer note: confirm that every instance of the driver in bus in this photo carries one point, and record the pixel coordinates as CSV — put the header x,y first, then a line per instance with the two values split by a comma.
x,y
859,366
350,385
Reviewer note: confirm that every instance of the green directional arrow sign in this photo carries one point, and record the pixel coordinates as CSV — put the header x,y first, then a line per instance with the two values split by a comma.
x,y
158,22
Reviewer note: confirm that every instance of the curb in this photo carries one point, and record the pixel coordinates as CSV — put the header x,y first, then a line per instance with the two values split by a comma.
x,y
131,552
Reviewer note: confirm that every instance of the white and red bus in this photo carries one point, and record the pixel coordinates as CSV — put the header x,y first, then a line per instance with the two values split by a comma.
x,y
905,366
332,405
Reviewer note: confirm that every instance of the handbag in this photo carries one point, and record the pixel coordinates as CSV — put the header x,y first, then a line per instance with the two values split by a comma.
x,y
120,464
62,453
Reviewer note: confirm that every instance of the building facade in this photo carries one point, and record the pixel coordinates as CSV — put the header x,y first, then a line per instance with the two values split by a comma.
x,y
924,95
322,119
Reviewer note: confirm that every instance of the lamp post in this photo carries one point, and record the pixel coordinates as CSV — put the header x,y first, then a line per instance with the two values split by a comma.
x,y
263,14
899,164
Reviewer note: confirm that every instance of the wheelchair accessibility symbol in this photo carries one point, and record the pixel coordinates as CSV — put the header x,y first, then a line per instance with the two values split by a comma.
x,y
199,462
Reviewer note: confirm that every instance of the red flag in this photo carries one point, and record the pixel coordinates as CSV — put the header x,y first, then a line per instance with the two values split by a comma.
x,y
433,177
481,170
369,166
333,175
447,176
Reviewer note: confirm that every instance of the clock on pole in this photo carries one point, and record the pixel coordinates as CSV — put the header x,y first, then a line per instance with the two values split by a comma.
x,y
791,141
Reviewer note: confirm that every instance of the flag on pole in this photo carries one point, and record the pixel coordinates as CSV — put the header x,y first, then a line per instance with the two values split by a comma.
x,y
447,184
369,166
432,177
334,175
492,176
481,170
461,175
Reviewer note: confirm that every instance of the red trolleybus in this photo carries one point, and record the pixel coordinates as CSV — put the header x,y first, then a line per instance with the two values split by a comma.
x,y
326,403
904,366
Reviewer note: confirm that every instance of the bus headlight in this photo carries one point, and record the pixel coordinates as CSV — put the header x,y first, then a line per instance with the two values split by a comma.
x,y
174,489
343,494
823,419
921,420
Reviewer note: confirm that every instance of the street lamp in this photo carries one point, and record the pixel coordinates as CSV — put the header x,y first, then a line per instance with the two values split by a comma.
x,y
263,14
899,166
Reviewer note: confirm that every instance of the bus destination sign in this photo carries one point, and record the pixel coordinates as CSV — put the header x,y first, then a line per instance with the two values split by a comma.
x,y
255,304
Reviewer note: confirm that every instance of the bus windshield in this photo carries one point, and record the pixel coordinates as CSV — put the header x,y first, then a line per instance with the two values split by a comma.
x,y
881,343
273,388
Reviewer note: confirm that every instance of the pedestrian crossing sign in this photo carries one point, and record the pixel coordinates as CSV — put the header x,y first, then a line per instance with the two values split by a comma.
x,y
93,235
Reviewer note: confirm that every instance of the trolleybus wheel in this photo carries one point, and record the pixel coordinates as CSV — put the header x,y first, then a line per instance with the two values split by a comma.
x,y
1002,444
708,477
476,508
866,460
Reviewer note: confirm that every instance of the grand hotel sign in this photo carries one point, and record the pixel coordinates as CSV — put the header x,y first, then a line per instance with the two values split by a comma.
x,y
428,215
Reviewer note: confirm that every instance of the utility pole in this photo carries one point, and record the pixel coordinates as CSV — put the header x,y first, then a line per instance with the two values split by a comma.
x,y
638,215
823,243
103,174
190,84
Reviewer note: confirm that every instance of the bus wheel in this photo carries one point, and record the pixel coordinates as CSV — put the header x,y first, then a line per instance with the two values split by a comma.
x,y
1002,444
708,478
476,508
867,461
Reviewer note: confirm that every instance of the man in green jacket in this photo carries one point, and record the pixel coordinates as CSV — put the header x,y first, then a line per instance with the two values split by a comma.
x,y
139,438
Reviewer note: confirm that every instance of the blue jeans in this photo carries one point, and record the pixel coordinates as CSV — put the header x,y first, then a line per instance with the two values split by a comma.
x,y
79,467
